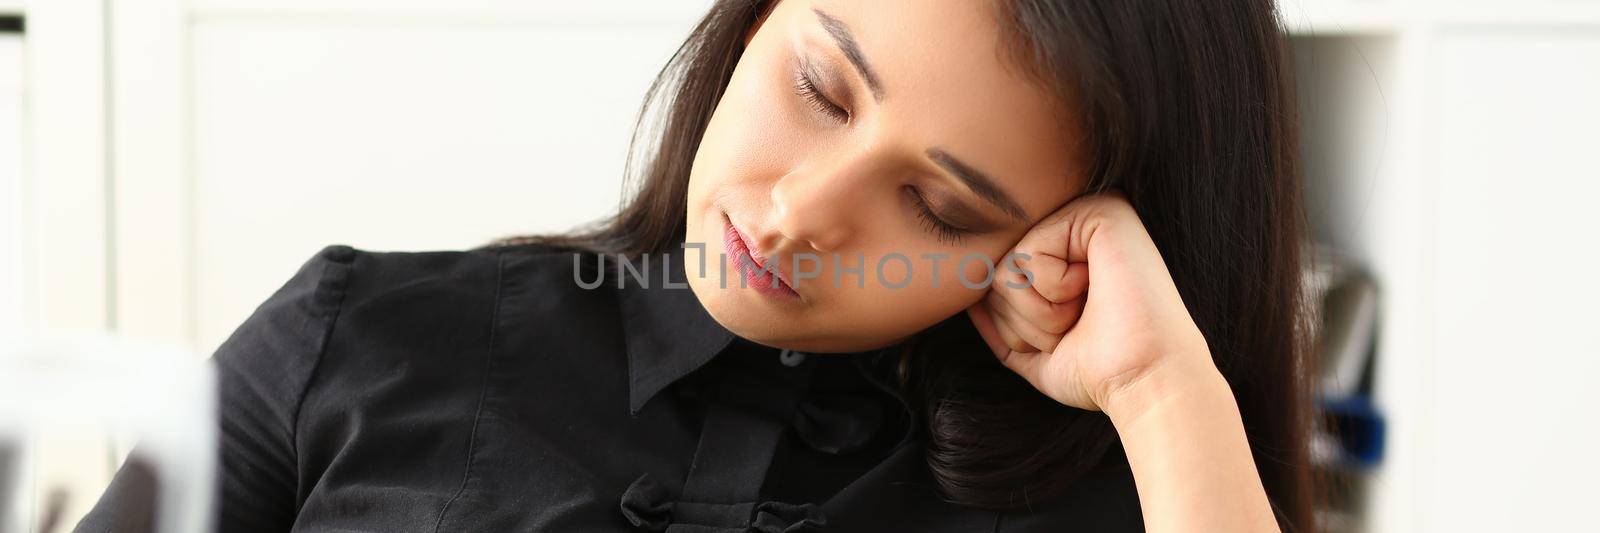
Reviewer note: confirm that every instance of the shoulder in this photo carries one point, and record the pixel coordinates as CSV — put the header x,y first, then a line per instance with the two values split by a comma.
x,y
400,293
343,288
339,275
428,304
550,266
389,281
345,280
346,294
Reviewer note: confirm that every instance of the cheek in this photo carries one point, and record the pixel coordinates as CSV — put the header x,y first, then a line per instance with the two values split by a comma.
x,y
754,135
881,310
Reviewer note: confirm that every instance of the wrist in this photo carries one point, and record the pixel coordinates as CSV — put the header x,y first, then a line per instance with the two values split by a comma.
x,y
1174,381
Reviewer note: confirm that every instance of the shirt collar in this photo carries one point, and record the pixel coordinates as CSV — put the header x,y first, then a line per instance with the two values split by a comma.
x,y
667,331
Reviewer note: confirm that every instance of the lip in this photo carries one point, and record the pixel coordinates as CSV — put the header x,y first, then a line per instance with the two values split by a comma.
x,y
738,241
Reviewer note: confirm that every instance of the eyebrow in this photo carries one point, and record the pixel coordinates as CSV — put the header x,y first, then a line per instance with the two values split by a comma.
x,y
847,44
979,183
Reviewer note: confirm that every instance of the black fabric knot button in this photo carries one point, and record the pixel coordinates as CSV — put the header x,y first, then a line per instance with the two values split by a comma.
x,y
648,506
832,421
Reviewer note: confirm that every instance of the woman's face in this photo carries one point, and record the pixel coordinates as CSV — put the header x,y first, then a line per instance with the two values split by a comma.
x,y
883,135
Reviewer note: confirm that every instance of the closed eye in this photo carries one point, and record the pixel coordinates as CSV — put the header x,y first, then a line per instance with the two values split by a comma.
x,y
806,87
945,231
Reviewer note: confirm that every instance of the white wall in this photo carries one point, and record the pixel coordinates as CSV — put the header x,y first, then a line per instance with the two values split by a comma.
x,y
383,125
399,134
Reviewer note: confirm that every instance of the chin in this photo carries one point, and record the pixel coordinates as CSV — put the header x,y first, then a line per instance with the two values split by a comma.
x,y
741,318
771,328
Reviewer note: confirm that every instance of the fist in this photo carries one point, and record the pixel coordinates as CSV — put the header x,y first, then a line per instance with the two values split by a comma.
x,y
1099,312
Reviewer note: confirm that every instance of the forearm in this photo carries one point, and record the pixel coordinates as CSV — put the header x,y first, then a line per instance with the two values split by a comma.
x,y
1190,457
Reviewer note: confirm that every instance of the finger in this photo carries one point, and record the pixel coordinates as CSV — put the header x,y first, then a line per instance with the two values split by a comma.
x,y
1022,325
1024,364
1051,317
1054,278
1123,253
1002,330
1013,341
1067,232
984,322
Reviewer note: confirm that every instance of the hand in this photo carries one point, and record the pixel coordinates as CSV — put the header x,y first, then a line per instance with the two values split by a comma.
x,y
1101,313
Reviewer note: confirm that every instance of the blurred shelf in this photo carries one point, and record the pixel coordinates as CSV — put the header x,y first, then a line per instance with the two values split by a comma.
x,y
12,7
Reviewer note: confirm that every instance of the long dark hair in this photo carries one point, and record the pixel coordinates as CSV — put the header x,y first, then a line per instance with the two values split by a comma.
x,y
1189,111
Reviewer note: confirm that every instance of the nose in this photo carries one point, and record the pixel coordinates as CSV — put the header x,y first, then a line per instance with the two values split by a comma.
x,y
820,205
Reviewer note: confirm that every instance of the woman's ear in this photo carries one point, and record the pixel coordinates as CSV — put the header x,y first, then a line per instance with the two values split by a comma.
x,y
761,18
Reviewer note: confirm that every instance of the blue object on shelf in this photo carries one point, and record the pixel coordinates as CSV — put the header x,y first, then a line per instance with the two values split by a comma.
x,y
1358,426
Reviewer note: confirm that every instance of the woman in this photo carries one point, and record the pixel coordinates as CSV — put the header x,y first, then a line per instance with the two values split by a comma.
x,y
1109,187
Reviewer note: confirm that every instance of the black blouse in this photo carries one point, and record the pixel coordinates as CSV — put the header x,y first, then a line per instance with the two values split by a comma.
x,y
486,390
